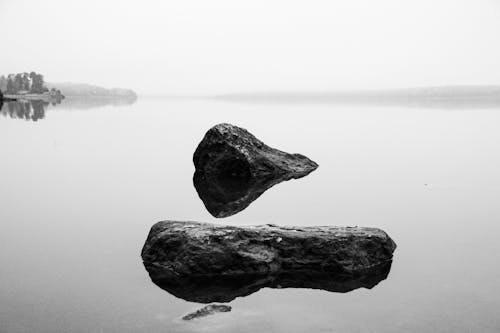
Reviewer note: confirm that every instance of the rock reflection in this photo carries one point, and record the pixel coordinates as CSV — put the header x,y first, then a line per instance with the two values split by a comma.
x,y
225,194
223,288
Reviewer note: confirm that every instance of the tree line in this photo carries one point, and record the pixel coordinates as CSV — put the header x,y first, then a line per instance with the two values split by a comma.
x,y
24,83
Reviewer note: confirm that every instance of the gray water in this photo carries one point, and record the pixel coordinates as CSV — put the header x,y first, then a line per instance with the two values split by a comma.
x,y
81,187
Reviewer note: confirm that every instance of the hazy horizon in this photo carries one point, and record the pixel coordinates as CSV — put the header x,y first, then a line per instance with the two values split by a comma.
x,y
222,46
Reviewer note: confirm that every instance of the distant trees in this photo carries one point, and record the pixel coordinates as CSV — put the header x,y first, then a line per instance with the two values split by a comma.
x,y
37,83
10,86
23,83
18,82
56,93
3,83
26,81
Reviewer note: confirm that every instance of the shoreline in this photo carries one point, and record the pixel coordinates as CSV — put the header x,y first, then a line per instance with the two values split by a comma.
x,y
36,97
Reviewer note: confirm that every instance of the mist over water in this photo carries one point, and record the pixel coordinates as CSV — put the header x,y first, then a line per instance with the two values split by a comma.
x,y
444,97
218,47
82,191
397,101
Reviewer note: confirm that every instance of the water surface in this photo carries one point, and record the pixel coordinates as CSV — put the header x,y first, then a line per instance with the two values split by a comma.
x,y
81,189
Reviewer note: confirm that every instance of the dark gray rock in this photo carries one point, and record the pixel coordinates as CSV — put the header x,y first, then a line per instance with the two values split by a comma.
x,y
233,168
197,261
207,311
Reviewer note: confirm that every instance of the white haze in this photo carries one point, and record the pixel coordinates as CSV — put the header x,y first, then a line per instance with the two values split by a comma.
x,y
223,46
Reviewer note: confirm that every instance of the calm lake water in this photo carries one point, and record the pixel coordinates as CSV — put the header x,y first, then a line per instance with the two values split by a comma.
x,y
81,188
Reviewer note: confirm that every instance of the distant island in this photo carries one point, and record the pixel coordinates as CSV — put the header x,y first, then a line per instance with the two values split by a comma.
x,y
86,90
32,86
27,96
27,86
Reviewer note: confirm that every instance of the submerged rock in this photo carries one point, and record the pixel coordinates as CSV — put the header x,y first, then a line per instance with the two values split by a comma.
x,y
233,168
204,262
207,311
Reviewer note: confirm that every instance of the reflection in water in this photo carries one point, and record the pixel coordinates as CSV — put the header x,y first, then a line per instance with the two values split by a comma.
x,y
228,194
207,311
35,109
441,97
224,288
25,109
81,103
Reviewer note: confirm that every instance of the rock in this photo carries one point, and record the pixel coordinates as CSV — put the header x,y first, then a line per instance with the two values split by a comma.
x,y
225,288
207,311
233,168
184,253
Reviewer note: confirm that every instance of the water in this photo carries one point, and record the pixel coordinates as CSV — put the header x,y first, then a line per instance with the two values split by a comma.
x,y
81,189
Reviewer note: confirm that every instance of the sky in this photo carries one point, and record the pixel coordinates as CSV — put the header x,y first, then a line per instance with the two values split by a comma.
x,y
191,47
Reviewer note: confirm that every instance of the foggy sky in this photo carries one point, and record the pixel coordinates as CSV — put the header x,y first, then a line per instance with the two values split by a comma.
x,y
224,46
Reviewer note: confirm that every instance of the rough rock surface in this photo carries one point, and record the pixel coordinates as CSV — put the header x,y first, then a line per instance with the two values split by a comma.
x,y
192,250
207,311
233,168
